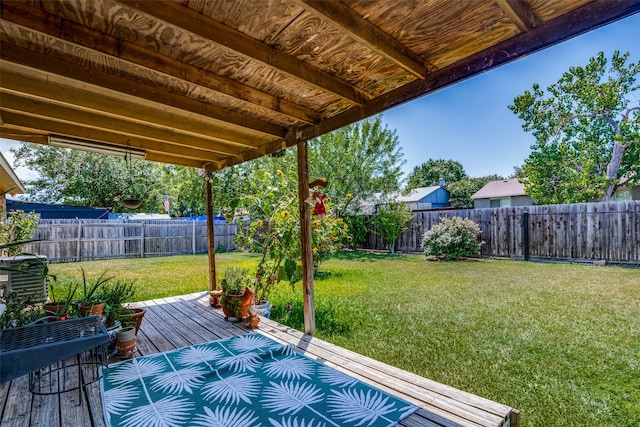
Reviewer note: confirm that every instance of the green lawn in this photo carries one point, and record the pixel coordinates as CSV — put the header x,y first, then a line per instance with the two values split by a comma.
x,y
559,342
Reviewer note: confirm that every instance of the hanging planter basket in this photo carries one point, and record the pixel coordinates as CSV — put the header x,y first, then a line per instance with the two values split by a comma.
x,y
131,203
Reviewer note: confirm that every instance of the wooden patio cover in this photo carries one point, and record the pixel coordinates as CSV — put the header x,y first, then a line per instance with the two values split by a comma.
x,y
210,84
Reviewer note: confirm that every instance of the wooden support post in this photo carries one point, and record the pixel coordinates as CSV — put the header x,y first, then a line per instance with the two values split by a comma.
x,y
305,240
210,233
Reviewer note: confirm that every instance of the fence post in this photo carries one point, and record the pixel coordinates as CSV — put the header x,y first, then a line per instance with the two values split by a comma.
x,y
193,241
79,245
142,240
525,234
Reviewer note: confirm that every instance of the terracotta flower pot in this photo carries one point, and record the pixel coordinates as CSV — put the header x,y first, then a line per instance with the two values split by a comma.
x,y
55,309
127,334
214,298
127,349
91,309
237,310
137,315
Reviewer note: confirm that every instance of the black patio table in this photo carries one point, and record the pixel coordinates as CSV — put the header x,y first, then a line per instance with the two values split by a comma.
x,y
42,351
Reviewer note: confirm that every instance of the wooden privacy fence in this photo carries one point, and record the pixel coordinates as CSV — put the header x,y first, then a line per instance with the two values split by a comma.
x,y
584,232
66,240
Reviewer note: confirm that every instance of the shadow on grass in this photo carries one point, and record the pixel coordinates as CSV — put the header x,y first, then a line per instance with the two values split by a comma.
x,y
366,256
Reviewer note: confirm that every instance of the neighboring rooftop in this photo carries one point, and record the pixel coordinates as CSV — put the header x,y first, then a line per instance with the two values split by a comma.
x,y
501,188
418,194
9,181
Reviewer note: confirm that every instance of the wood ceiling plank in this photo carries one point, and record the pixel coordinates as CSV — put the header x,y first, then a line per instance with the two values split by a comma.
x,y
45,86
187,19
38,20
230,120
367,34
520,14
99,120
36,126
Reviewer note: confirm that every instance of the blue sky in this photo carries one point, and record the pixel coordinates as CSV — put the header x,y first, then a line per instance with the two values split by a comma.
x,y
470,122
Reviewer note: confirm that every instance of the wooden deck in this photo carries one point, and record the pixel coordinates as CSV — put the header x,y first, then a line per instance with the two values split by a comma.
x,y
186,320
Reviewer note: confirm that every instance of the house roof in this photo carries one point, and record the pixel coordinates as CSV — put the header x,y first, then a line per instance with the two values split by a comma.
x,y
9,181
418,194
502,188
212,84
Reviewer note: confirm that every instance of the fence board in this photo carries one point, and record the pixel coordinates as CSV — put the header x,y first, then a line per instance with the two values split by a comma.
x,y
67,240
576,232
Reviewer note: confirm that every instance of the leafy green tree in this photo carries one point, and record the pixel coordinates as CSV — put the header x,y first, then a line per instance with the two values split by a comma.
x,y
186,189
391,220
430,172
80,178
460,192
587,131
15,227
357,161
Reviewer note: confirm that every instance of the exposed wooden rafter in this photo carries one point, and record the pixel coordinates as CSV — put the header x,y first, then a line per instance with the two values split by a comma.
x,y
39,85
520,14
366,34
227,37
54,26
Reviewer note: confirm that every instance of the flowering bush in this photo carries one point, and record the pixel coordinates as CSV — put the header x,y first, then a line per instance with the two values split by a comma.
x,y
452,238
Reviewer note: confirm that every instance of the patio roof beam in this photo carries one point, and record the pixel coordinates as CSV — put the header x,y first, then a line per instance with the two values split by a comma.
x,y
175,14
162,137
226,119
42,85
52,25
367,34
36,129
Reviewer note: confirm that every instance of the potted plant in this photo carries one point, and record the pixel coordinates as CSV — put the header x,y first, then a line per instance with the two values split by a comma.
x,y
237,296
92,303
59,302
126,342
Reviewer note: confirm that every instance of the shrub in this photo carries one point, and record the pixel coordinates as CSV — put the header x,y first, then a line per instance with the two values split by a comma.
x,y
15,227
452,238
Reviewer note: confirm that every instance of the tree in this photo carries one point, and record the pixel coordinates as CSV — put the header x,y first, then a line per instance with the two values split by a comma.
x,y
587,130
357,161
73,177
460,192
391,220
430,172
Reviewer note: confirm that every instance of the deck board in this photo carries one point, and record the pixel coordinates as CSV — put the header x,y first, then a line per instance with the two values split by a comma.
x,y
185,320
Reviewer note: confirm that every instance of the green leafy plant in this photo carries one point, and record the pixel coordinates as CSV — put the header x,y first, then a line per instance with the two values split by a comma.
x,y
91,290
16,229
391,220
452,238
18,312
114,295
61,297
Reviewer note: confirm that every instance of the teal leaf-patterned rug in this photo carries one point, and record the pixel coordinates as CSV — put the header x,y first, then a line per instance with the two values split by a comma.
x,y
244,381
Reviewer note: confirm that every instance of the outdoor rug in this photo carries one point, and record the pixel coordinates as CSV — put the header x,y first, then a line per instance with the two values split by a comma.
x,y
244,381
